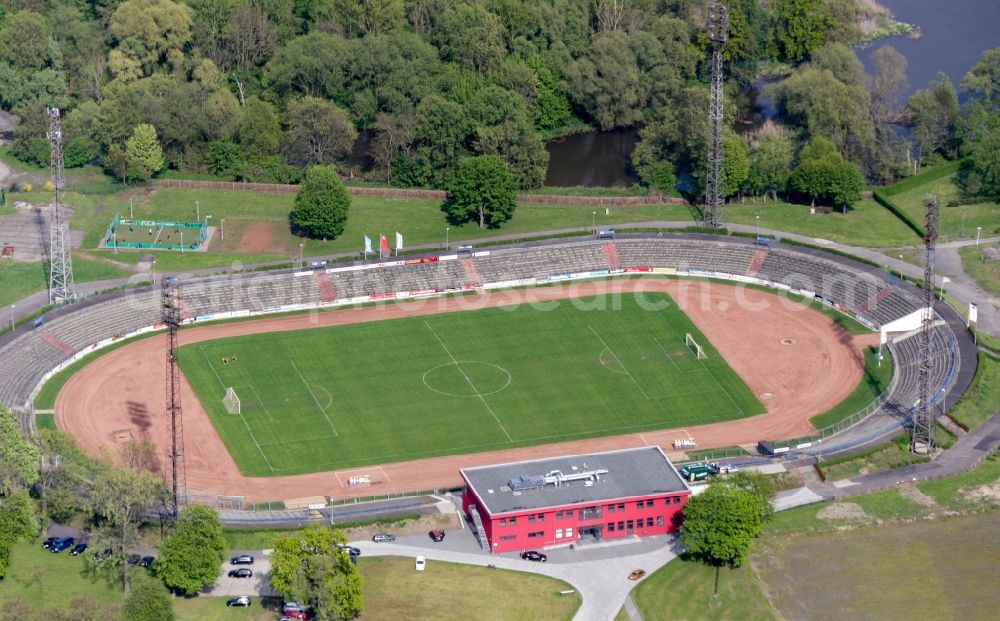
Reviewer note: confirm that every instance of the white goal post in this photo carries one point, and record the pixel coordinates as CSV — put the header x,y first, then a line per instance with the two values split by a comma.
x,y
693,345
231,401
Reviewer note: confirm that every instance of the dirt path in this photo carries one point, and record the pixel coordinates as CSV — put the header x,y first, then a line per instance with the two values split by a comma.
x,y
798,361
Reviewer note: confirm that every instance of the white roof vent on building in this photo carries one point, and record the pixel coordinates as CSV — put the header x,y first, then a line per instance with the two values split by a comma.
x,y
489,491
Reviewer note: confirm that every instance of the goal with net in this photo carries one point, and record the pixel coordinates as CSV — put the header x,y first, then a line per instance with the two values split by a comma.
x,y
693,345
231,401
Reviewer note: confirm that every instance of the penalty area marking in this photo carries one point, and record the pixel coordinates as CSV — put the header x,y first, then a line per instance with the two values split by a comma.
x,y
471,385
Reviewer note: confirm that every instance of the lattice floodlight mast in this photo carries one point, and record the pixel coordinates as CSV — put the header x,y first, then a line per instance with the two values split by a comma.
x,y
171,313
718,31
923,416
60,261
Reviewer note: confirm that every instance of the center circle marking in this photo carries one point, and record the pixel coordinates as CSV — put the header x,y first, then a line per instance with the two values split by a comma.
x,y
458,364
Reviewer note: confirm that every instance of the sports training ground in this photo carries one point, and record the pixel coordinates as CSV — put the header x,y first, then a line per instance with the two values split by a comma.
x,y
444,361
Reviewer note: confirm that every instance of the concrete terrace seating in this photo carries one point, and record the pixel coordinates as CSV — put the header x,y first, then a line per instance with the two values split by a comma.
x,y
26,357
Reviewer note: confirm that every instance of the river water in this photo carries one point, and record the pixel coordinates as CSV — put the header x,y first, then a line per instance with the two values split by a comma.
x,y
955,33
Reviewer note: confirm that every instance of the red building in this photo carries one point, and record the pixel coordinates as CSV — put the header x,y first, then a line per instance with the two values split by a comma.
x,y
561,500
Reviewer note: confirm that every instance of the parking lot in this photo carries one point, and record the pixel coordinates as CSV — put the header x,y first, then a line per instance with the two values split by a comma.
x,y
257,585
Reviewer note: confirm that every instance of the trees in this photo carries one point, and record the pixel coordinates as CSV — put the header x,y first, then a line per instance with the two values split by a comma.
x,y
472,37
984,78
720,524
24,41
19,458
119,498
735,165
934,119
310,567
143,153
258,131
190,556
148,601
152,32
607,83
823,175
771,164
17,521
318,132
800,27
321,205
981,176
482,189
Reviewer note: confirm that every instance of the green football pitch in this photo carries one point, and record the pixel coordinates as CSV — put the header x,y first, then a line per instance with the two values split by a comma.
x,y
453,383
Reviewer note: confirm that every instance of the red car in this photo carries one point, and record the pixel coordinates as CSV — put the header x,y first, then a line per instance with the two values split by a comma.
x,y
295,614
436,535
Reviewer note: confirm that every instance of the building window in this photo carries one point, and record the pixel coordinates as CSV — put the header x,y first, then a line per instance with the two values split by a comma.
x,y
611,527
558,515
677,500
611,508
536,534
531,519
649,522
621,525
590,513
558,533
569,514
541,517
513,521
503,521
569,533
639,505
629,524
659,521
649,503
508,538
621,506
666,501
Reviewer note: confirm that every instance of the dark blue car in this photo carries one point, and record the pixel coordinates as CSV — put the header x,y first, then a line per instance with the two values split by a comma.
x,y
61,543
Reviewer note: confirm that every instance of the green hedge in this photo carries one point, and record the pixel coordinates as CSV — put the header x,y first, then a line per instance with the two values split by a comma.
x,y
920,179
883,200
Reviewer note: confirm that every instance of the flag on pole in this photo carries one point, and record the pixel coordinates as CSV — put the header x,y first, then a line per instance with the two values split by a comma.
x,y
383,244
368,244
399,241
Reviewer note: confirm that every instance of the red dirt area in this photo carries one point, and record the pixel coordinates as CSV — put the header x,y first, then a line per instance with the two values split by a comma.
x,y
259,237
797,360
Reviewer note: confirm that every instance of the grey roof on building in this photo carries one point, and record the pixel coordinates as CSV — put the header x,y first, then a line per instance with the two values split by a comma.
x,y
643,471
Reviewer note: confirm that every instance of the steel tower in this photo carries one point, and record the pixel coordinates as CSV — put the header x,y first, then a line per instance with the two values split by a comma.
x,y
718,31
171,313
60,260
922,440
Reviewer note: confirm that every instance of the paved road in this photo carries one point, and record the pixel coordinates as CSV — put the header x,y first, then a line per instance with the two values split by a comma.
x,y
599,572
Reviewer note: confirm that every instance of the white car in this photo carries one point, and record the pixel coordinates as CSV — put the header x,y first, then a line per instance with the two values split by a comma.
x,y
421,563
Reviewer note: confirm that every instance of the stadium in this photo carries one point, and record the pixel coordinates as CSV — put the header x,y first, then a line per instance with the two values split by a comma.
x,y
502,355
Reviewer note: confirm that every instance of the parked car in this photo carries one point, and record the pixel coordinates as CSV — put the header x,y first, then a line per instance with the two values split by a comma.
x,y
532,555
48,542
292,607
421,563
78,549
436,535
242,600
242,572
243,559
100,556
298,615
132,559
638,574
147,561
350,549
61,543
383,537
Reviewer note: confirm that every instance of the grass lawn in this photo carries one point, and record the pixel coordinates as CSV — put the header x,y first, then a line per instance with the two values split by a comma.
x,y
204,608
934,569
20,279
683,589
875,380
983,397
954,492
951,227
893,454
985,272
45,580
385,391
393,591
867,224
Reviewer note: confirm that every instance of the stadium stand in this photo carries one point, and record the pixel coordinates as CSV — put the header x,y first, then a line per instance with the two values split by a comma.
x,y
26,356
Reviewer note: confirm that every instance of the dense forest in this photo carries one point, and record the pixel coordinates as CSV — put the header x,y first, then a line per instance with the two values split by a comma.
x,y
258,90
